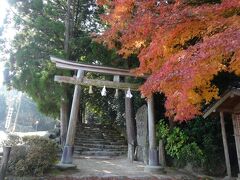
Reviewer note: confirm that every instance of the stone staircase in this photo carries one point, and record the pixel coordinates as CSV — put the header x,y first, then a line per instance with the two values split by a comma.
x,y
99,141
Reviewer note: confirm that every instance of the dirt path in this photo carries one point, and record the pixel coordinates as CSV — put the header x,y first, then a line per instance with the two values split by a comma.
x,y
120,167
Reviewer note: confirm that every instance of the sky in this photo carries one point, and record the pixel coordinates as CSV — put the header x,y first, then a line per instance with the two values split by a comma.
x,y
3,8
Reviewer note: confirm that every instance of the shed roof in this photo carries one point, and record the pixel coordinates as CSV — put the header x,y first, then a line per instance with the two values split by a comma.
x,y
228,102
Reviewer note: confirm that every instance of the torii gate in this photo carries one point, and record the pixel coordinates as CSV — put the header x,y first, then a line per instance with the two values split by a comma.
x,y
79,80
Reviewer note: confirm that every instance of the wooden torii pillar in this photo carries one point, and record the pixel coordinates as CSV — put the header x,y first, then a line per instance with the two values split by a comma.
x,y
69,145
130,126
153,165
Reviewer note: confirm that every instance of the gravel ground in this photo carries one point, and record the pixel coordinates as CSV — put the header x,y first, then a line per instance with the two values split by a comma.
x,y
120,167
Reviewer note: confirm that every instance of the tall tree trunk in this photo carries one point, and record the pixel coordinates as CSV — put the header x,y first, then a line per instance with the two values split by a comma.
x,y
68,28
172,124
64,109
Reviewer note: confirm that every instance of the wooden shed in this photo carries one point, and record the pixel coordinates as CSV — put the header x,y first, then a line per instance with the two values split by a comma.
x,y
229,102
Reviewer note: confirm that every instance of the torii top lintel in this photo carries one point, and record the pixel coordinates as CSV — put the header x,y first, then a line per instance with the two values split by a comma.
x,y
61,63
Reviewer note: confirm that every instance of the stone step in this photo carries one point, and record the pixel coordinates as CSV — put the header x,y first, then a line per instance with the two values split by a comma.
x,y
112,135
81,148
102,143
79,156
94,138
100,153
102,146
98,130
85,133
89,139
99,140
101,150
98,134
96,127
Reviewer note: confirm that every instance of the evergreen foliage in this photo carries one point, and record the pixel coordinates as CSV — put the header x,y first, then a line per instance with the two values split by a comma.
x,y
40,34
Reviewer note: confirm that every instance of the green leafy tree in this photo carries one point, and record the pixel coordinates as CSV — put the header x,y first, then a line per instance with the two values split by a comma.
x,y
40,34
41,26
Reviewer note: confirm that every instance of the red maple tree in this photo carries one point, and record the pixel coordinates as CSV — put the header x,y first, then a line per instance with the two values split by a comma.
x,y
180,45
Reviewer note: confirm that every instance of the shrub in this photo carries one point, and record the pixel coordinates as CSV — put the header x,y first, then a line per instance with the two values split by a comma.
x,y
33,158
162,130
176,140
179,146
12,140
207,134
191,153
18,153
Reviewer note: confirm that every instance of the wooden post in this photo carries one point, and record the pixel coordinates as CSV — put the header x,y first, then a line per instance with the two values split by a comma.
x,y
68,148
130,126
224,137
236,128
162,159
6,155
153,155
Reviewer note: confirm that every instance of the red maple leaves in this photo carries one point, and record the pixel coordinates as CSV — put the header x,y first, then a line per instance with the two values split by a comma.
x,y
182,47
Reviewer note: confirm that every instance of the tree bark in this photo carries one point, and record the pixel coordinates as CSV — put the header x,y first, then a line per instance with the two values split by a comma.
x,y
64,103
64,121
171,123
68,27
